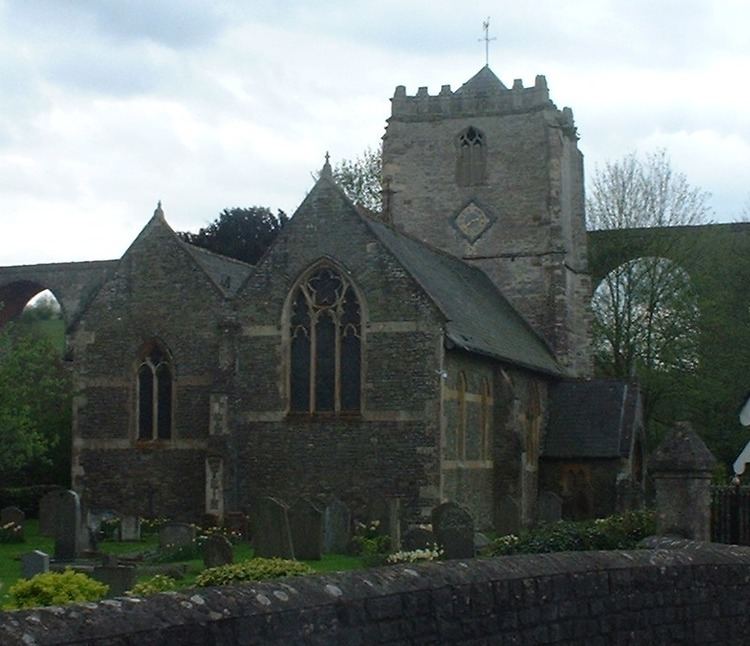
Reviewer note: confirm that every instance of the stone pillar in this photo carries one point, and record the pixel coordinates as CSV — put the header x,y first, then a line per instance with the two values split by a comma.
x,y
681,468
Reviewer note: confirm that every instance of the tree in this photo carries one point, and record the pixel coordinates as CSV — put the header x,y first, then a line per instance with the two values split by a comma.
x,y
35,405
360,178
646,318
241,233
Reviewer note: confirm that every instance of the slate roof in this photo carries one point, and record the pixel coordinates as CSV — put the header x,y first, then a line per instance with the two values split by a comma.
x,y
591,419
483,82
227,273
479,318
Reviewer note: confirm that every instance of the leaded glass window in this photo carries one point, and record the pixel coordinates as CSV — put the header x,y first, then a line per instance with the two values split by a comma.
x,y
472,156
155,393
326,345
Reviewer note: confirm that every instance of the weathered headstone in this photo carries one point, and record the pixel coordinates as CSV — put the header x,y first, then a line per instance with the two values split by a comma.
x,y
417,538
48,513
176,535
306,523
217,550
32,563
337,527
508,516
130,528
454,530
548,507
15,516
481,542
119,578
271,534
68,528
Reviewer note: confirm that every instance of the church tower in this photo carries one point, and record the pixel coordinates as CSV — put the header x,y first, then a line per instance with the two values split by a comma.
x,y
494,176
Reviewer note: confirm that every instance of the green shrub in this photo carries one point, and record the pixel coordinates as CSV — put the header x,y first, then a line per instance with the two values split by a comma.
x,y
55,589
11,533
255,569
620,532
157,583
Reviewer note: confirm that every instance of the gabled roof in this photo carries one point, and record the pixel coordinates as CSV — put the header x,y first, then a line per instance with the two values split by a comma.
x,y
483,82
592,419
478,317
226,273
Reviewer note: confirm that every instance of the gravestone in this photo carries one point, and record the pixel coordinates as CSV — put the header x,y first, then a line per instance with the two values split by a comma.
x,y
68,527
119,578
481,542
217,550
306,523
454,530
130,528
32,563
236,522
508,516
417,538
48,513
15,516
378,512
176,535
271,534
337,527
548,507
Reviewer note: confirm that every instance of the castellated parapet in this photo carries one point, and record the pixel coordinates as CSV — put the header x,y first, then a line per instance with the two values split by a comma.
x,y
493,175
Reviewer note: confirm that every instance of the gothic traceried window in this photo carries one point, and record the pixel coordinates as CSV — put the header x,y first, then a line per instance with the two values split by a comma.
x,y
471,157
534,424
461,414
326,345
485,421
154,385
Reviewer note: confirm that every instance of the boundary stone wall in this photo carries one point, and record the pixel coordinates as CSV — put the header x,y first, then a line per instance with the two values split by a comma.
x,y
698,594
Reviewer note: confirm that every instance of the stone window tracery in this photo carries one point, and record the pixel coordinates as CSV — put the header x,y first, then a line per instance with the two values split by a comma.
x,y
325,345
155,394
472,157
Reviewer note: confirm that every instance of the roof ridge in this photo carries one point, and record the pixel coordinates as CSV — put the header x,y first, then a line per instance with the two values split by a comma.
x,y
216,254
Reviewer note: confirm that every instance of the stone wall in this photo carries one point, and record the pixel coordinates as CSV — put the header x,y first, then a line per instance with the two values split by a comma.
x,y
697,595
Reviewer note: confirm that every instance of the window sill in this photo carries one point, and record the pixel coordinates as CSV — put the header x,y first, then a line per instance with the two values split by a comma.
x,y
153,445
348,416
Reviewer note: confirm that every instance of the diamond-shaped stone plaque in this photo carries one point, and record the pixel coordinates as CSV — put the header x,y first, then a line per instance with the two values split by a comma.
x,y
472,222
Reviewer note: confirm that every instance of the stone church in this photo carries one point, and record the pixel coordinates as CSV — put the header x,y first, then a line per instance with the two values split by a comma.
x,y
439,350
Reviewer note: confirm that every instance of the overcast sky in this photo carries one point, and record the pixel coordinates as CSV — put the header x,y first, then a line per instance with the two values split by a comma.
x,y
107,106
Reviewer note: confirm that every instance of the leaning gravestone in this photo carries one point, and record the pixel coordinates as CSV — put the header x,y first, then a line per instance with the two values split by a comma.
x,y
337,527
33,563
306,522
272,535
15,516
176,535
68,529
217,550
508,516
130,528
548,507
454,530
48,513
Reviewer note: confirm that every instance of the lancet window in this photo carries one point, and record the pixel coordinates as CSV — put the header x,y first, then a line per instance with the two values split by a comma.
x,y
326,345
155,394
472,157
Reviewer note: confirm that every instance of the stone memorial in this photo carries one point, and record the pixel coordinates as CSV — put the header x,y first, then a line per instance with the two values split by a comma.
x,y
508,516
48,513
271,533
337,527
119,578
481,542
130,528
236,522
217,550
548,507
68,526
176,535
306,523
417,538
454,530
33,563
15,516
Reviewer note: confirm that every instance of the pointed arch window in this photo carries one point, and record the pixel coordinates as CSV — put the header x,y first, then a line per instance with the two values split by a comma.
x,y
155,394
534,425
471,161
485,421
461,413
326,345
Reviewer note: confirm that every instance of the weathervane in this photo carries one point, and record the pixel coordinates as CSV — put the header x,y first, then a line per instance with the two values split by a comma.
x,y
486,39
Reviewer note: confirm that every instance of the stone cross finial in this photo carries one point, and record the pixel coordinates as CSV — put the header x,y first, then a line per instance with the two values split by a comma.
x,y
158,212
326,170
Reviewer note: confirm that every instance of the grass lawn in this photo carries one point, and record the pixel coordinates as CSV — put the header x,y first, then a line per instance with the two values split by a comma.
x,y
10,563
